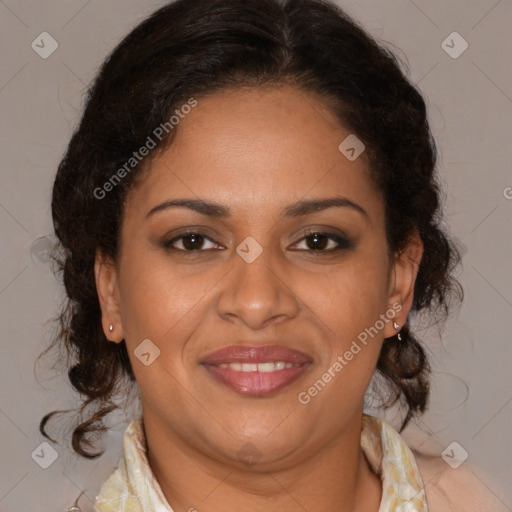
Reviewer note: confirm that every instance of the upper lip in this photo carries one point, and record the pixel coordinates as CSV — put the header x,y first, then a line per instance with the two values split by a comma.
x,y
256,354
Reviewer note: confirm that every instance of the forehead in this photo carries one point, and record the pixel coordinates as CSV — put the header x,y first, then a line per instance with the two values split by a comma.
x,y
258,148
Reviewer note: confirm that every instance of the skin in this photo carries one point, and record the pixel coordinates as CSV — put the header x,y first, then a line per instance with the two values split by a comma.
x,y
256,151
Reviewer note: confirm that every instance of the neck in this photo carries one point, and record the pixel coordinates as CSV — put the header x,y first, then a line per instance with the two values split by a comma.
x,y
335,478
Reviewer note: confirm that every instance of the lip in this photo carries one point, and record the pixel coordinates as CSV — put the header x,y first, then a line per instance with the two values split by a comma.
x,y
256,354
256,383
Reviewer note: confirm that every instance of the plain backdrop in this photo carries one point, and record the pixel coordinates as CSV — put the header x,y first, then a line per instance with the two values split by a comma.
x,y
470,105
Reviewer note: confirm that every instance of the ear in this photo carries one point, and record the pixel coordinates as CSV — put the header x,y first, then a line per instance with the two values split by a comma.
x,y
105,274
401,286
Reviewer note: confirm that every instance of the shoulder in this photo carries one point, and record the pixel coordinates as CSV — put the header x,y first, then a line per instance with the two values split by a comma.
x,y
456,490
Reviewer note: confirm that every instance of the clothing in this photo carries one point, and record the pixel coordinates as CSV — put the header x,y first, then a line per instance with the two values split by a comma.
x,y
132,486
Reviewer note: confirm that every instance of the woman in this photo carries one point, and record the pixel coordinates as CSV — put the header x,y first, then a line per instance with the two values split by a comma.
x,y
249,217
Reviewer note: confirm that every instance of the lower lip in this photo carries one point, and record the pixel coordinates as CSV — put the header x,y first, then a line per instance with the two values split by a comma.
x,y
257,383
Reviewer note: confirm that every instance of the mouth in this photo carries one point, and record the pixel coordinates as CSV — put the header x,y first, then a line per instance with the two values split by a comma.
x,y
256,370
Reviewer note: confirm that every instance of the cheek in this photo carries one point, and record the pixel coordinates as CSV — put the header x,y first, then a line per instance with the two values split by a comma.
x,y
163,302
349,303
164,307
349,297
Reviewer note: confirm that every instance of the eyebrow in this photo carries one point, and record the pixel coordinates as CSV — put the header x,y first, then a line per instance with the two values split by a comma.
x,y
298,209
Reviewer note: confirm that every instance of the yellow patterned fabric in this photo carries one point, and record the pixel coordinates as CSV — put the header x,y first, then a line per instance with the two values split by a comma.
x,y
132,486
391,459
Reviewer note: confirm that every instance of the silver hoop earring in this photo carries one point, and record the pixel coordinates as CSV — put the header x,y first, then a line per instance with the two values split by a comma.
x,y
75,507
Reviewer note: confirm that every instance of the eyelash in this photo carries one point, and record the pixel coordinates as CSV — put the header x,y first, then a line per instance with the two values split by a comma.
x,y
343,243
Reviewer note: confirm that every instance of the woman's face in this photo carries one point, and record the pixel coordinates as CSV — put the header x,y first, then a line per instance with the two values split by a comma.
x,y
254,275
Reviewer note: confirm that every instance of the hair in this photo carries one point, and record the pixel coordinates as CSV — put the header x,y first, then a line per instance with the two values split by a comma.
x,y
192,48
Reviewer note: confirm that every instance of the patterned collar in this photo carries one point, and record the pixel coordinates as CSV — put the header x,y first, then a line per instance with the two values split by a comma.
x,y
132,486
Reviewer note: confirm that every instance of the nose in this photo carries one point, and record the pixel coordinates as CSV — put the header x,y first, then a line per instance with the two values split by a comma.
x,y
258,293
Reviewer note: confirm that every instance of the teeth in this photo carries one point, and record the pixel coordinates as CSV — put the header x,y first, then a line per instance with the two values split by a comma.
x,y
270,367
266,367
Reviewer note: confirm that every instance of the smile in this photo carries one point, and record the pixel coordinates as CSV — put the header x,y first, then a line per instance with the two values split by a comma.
x,y
267,367
259,379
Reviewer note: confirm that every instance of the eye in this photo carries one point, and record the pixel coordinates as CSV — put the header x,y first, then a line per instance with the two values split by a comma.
x,y
315,241
190,242
318,242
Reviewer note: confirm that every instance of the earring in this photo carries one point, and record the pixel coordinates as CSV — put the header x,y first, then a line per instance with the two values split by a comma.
x,y
75,507
396,326
111,328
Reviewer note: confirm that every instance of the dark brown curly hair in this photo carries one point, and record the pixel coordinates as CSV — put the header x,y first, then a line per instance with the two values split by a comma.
x,y
191,48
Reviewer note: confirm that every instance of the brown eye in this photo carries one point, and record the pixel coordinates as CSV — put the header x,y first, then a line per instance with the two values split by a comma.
x,y
190,242
319,242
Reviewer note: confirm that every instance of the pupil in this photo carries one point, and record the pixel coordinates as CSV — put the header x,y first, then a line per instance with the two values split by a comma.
x,y
196,240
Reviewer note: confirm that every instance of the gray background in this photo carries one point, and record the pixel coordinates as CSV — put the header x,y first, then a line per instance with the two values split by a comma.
x,y
470,106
